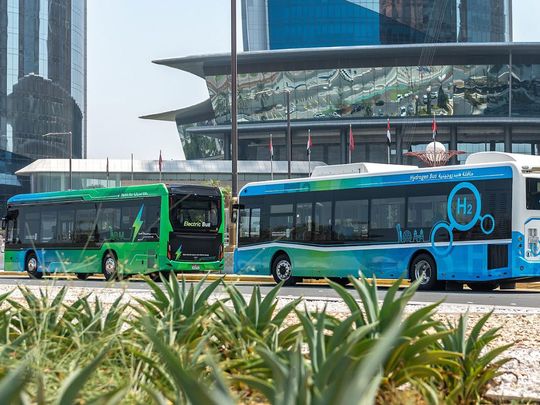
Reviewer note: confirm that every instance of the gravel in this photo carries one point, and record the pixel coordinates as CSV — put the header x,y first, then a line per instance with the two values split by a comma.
x,y
520,327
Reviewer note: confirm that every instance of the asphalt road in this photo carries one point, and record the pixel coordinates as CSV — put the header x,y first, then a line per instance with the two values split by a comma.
x,y
515,298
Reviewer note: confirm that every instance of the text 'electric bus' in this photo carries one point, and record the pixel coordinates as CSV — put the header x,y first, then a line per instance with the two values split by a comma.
x,y
476,224
119,232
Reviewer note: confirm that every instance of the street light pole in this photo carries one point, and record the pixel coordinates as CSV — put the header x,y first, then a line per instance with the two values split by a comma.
x,y
234,86
70,147
289,138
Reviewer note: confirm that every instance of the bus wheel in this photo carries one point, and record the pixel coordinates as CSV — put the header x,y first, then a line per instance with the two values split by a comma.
x,y
31,267
110,266
486,286
423,267
83,276
282,270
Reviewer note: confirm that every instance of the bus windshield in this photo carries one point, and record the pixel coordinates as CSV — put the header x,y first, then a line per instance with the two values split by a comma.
x,y
533,194
190,213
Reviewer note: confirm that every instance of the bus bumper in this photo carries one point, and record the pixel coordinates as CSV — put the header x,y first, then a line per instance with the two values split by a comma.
x,y
196,267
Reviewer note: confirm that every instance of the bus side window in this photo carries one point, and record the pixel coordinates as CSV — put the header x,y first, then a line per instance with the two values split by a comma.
x,y
323,221
66,225
351,221
30,224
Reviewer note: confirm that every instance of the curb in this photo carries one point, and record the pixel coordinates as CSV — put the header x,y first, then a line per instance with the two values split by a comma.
x,y
244,279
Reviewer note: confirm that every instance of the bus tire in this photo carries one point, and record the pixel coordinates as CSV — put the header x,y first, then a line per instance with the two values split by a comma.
x,y
109,266
483,287
83,276
423,266
282,270
31,265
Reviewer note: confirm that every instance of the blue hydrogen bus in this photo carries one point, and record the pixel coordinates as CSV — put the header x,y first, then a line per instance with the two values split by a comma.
x,y
475,224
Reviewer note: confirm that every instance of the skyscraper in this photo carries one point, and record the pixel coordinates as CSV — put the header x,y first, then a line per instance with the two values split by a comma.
x,y
283,24
42,84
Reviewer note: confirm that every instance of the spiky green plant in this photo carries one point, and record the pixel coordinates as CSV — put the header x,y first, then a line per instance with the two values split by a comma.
x,y
468,381
189,385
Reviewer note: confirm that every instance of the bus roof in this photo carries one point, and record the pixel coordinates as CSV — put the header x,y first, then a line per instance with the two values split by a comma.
x,y
476,160
146,190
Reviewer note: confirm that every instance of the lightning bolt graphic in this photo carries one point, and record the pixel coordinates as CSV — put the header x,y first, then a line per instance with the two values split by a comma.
x,y
179,252
137,223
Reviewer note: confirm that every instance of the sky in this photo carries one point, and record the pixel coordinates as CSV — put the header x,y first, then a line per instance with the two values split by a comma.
x,y
124,36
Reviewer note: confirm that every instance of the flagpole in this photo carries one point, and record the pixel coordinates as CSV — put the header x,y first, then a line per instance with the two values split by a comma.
x,y
271,158
132,168
160,163
107,172
388,139
350,150
309,153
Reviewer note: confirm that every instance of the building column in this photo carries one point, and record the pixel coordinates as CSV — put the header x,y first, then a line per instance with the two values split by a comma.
x,y
399,145
453,143
227,146
508,138
343,145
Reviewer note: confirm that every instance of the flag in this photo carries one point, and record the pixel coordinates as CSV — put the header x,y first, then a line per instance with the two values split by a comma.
x,y
434,128
351,139
388,134
309,143
160,162
271,148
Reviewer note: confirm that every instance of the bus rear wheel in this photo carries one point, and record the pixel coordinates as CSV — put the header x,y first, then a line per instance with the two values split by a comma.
x,y
486,286
423,268
83,276
109,266
282,270
31,266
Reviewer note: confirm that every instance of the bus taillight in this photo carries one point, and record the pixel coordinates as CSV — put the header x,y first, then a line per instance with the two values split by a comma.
x,y
220,257
169,252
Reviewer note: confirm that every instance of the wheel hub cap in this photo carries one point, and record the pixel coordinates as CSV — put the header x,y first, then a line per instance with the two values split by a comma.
x,y
422,271
283,270
32,264
110,265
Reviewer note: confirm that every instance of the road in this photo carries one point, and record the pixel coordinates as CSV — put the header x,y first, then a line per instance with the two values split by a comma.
x,y
516,298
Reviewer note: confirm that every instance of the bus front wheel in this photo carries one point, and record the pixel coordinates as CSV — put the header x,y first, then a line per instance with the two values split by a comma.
x,y
423,268
83,276
31,266
110,266
282,270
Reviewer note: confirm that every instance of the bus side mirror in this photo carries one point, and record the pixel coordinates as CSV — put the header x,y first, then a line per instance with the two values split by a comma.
x,y
4,224
234,212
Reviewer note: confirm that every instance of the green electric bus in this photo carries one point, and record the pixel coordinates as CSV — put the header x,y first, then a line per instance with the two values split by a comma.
x,y
118,232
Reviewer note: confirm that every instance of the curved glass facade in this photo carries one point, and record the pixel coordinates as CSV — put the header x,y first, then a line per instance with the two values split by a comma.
x,y
469,98
42,84
284,24
379,92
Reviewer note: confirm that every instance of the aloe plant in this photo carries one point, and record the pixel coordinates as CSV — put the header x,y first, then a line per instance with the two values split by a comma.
x,y
257,320
181,346
477,366
187,385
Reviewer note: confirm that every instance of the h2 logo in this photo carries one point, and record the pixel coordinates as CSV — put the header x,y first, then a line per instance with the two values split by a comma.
x,y
463,206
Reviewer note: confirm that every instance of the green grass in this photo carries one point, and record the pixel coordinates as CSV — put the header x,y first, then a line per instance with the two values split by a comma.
x,y
182,346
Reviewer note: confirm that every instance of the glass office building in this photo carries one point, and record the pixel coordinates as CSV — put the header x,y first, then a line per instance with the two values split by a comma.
x,y
484,97
42,84
286,24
